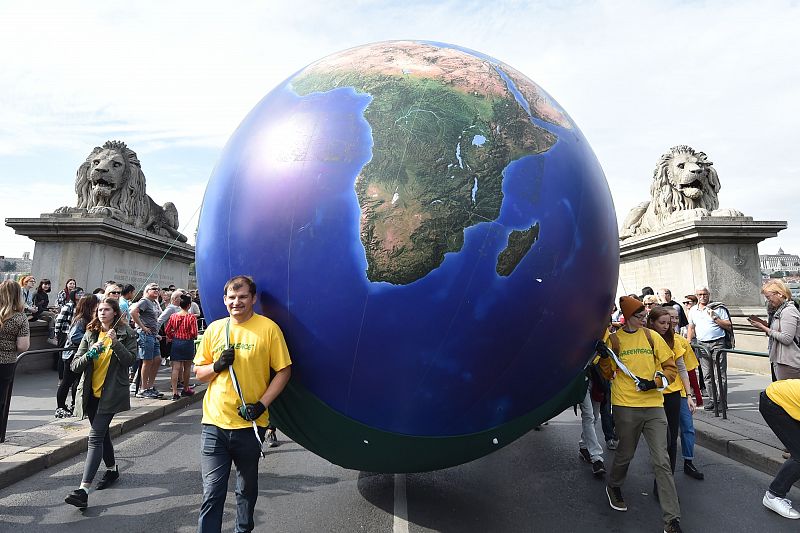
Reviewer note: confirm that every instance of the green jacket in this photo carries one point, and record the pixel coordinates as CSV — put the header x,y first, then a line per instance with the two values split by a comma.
x,y
115,396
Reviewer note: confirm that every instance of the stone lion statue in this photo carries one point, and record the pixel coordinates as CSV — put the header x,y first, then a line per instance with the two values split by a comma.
x,y
685,187
110,183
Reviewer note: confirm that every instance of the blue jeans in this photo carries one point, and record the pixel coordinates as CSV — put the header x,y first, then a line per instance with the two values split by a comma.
x,y
148,346
218,448
687,432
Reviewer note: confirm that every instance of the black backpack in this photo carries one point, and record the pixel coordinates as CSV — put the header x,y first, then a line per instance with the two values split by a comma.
x,y
730,338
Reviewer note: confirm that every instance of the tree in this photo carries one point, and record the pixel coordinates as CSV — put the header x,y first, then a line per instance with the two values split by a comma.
x,y
8,266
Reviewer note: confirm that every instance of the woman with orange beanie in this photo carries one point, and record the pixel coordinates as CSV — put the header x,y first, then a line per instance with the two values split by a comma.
x,y
641,365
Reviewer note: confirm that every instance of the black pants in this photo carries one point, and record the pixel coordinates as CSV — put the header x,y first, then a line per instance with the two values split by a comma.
x,y
787,429
69,380
6,381
672,408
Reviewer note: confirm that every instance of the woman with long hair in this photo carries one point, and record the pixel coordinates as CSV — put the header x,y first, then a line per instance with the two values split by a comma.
x,y
106,351
63,294
83,314
41,301
782,330
65,314
15,337
181,331
638,365
660,320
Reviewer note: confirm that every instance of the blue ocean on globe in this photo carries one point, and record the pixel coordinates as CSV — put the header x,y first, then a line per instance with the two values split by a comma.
x,y
435,238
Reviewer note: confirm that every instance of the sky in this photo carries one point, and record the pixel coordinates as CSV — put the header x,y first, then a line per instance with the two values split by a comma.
x,y
174,79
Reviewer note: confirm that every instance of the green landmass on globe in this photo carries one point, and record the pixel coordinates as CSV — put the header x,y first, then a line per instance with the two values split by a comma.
x,y
519,244
444,126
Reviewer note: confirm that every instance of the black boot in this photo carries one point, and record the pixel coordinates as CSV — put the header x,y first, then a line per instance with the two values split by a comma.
x,y
690,470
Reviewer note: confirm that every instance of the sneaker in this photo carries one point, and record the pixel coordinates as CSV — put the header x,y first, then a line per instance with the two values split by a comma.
x,y
598,468
708,407
674,526
188,391
132,388
62,413
272,440
615,498
149,394
782,506
108,479
175,397
690,470
584,453
79,498
612,444
53,341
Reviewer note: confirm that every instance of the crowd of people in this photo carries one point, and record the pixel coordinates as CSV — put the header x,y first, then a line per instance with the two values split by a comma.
x,y
647,368
651,372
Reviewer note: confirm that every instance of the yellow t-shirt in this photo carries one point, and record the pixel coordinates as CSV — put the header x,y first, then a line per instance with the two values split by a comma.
x,y
100,368
689,358
786,393
680,351
636,354
259,346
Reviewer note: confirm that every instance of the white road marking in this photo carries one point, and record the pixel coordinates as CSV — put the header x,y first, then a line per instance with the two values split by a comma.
x,y
400,505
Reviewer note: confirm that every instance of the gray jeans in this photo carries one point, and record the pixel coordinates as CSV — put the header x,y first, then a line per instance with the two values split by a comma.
x,y
100,446
632,423
713,348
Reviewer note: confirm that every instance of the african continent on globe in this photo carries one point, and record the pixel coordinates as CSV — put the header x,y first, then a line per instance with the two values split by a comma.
x,y
444,126
435,238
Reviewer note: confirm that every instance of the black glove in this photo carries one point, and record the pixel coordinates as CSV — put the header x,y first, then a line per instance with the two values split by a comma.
x,y
646,384
602,349
225,360
252,411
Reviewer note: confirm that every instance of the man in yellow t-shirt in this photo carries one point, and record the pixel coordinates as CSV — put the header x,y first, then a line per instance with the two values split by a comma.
x,y
252,345
780,407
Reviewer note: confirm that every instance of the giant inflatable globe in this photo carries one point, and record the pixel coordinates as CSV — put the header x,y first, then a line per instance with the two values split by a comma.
x,y
435,238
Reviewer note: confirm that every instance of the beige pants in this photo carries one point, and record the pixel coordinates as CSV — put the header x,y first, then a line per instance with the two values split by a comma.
x,y
630,423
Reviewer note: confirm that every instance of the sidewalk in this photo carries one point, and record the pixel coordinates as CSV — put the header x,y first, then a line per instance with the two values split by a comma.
x,y
744,437
36,440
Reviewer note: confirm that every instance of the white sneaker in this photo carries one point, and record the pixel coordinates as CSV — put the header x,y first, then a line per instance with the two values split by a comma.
x,y
782,506
53,341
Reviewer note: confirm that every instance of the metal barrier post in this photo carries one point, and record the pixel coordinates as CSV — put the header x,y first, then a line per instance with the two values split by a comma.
x,y
7,407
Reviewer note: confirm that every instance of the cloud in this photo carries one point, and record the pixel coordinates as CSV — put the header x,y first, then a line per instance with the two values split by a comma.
x,y
177,77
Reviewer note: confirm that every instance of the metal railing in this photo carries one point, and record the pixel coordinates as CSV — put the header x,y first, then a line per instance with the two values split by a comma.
x,y
719,388
7,407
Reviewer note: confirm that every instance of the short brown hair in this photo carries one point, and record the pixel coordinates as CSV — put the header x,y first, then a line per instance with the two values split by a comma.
x,y
237,282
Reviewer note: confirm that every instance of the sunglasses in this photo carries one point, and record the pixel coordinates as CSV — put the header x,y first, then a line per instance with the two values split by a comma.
x,y
114,292
688,302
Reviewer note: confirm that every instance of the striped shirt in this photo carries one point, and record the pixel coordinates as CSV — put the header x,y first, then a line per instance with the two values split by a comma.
x,y
181,326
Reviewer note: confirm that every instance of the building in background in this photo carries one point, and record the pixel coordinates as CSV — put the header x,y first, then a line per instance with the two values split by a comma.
x,y
13,267
780,265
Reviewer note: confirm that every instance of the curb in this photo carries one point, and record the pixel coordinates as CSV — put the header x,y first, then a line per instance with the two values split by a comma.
x,y
739,448
35,459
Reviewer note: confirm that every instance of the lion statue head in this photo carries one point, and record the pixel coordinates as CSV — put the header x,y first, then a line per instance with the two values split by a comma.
x,y
684,179
112,177
685,187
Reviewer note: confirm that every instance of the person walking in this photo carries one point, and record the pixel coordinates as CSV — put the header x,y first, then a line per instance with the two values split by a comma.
x,y
15,337
678,391
640,363
181,331
783,330
84,312
779,404
247,346
709,326
106,351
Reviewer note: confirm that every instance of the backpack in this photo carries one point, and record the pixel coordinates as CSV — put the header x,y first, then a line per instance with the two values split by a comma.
x,y
730,338
615,341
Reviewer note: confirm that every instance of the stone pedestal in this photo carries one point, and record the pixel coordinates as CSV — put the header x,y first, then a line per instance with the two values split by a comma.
x,y
93,250
720,253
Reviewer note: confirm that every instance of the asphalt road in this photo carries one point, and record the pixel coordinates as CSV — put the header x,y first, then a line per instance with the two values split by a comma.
x,y
535,484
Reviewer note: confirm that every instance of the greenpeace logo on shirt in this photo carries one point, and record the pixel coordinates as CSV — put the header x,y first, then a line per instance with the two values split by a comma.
x,y
238,346
635,351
